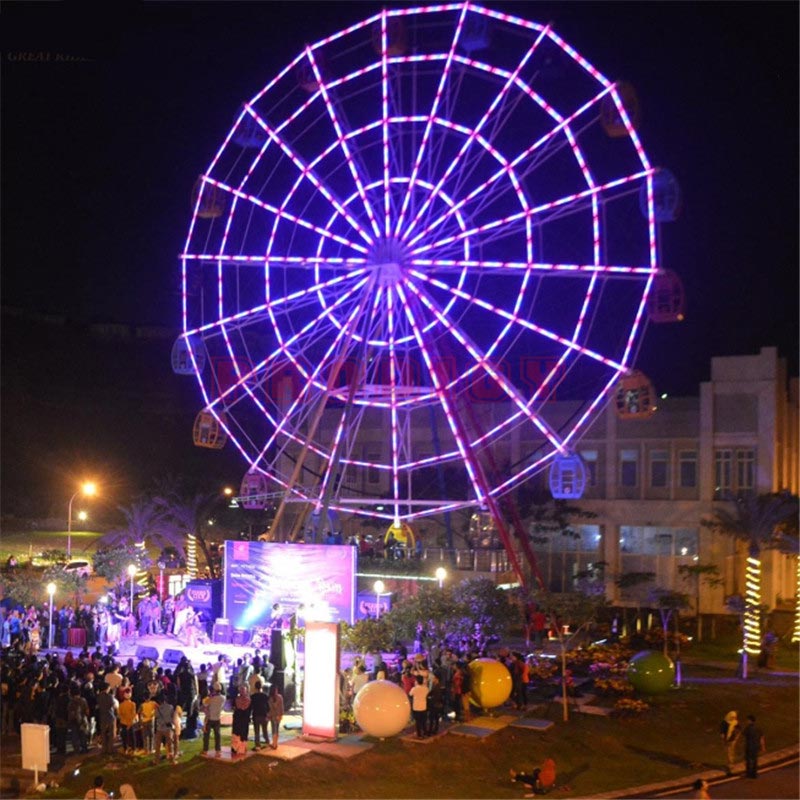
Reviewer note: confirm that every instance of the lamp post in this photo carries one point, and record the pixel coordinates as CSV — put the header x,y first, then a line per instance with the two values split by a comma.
x,y
378,586
51,590
131,572
89,489
441,574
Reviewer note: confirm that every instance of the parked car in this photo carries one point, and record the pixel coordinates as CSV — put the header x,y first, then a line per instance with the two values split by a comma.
x,y
79,567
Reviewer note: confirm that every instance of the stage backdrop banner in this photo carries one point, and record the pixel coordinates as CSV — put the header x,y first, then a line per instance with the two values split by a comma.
x,y
315,582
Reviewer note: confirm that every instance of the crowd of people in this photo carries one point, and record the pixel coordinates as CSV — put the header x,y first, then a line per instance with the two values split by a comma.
x,y
106,622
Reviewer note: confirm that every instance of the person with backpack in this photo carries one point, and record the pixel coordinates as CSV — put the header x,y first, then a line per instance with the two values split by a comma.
x,y
164,726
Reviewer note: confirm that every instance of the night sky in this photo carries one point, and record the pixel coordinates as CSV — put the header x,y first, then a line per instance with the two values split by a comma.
x,y
108,119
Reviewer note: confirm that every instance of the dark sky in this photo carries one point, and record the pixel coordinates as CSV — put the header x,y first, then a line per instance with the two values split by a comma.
x,y
107,119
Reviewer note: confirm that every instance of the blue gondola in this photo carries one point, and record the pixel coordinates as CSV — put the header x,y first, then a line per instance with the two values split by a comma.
x,y
248,133
182,359
666,197
567,477
253,491
475,33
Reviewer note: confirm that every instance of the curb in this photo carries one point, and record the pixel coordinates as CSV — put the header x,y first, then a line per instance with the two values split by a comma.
x,y
686,782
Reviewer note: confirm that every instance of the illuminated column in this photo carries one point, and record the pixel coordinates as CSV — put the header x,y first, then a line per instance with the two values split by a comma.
x,y
752,608
191,555
321,681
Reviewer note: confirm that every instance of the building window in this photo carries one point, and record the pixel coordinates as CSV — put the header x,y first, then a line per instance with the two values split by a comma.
x,y
687,469
659,469
723,488
745,471
628,467
734,472
590,461
568,561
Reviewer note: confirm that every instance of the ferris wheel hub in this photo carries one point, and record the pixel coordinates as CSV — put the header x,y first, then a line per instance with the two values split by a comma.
x,y
387,259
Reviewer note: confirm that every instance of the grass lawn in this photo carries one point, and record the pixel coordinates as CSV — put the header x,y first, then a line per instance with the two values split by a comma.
x,y
675,738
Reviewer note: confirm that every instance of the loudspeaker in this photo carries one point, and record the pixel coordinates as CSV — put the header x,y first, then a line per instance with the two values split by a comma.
x,y
241,636
173,656
277,652
284,680
143,651
221,633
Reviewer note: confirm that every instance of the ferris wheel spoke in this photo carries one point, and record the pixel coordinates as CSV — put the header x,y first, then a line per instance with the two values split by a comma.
x,y
457,265
342,141
561,202
431,363
466,145
312,379
519,321
283,214
486,365
443,79
486,190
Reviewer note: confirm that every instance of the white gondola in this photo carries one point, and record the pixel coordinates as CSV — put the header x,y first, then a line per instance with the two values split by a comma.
x,y
182,358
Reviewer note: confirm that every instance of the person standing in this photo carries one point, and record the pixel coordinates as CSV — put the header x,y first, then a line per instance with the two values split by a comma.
x,y
259,703
275,704
213,705
128,718
730,732
147,720
164,723
435,705
419,705
107,712
240,726
754,744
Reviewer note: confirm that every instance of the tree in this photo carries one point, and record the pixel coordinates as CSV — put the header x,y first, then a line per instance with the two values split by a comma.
x,y
483,612
368,635
26,584
428,614
145,521
698,574
187,515
111,563
669,602
764,520
576,609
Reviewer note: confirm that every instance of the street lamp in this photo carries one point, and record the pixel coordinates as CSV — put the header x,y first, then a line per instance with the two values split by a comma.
x,y
88,489
378,586
131,572
51,590
441,574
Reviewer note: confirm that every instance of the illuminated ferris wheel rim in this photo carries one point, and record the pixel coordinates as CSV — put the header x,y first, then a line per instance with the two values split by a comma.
x,y
387,261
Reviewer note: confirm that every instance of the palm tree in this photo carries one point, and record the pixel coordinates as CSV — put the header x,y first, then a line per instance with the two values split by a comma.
x,y
760,521
145,521
187,515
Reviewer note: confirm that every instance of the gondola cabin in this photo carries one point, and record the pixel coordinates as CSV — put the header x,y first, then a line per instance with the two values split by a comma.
x,y
208,432
567,477
182,358
396,37
253,491
667,299
666,197
635,397
610,116
248,133
211,199
475,33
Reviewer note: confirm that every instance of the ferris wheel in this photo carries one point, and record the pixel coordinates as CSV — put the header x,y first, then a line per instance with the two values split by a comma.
x,y
418,264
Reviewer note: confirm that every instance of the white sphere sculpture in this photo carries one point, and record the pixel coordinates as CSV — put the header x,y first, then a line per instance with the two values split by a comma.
x,y
381,709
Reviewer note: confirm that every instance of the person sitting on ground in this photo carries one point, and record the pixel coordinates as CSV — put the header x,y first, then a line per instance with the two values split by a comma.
x,y
540,780
700,790
97,792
